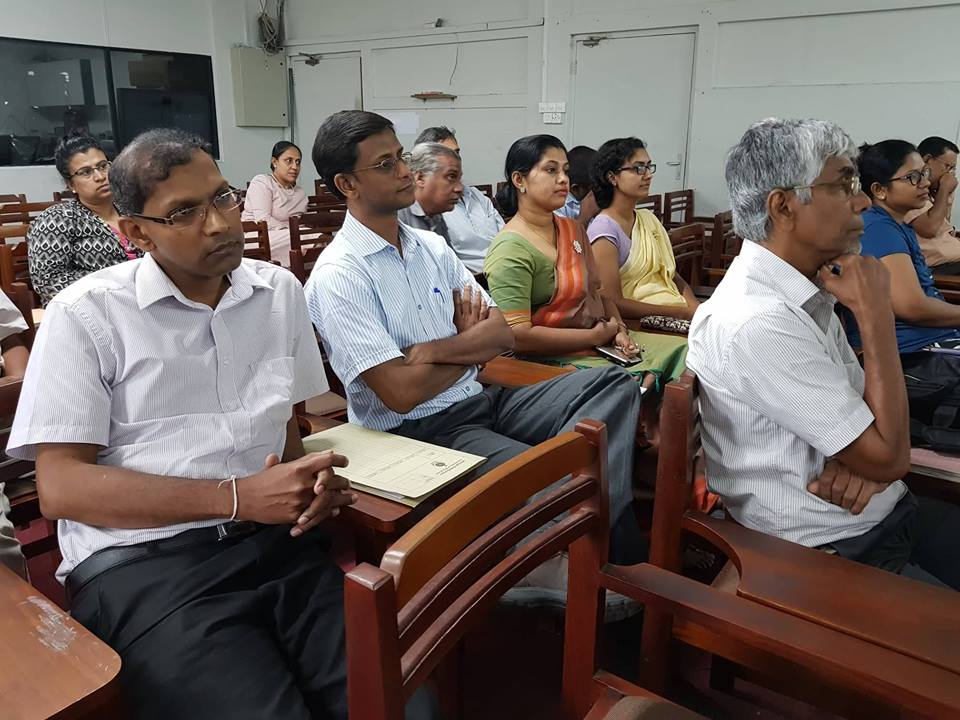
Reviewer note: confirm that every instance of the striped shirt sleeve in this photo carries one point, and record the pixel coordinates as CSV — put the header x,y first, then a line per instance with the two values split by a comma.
x,y
350,321
775,366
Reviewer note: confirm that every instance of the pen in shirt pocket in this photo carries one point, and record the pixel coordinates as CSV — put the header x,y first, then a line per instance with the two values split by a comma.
x,y
436,291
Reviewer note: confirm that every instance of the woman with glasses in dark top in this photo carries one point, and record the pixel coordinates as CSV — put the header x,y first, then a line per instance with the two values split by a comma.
x,y
633,251
76,237
895,178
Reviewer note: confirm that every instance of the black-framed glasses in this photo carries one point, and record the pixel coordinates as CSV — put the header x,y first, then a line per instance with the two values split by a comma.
x,y
640,168
224,202
87,171
388,165
850,185
914,177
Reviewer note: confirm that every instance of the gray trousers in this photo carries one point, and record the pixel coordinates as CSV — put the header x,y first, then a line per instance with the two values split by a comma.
x,y
10,554
500,423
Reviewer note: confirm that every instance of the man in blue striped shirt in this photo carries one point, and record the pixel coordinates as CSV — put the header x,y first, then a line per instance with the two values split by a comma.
x,y
406,328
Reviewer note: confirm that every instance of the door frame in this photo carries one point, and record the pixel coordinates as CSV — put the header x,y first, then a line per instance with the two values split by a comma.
x,y
621,34
297,54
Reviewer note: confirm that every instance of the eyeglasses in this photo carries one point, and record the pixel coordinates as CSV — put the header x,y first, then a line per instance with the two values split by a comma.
x,y
389,165
224,202
640,168
850,185
914,177
87,171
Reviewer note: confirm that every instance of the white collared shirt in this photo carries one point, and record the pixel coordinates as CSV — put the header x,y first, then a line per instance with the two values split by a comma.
x,y
780,392
471,225
368,303
165,385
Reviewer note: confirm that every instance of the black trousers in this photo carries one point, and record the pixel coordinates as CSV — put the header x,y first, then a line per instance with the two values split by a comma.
x,y
920,538
249,628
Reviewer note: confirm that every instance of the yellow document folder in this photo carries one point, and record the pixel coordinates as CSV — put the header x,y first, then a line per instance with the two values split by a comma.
x,y
390,465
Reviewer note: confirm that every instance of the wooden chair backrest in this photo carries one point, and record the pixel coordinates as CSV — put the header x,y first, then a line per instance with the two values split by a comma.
x,y
725,244
449,570
653,203
21,213
256,240
679,446
62,195
310,233
22,296
678,208
688,248
14,233
486,190
14,266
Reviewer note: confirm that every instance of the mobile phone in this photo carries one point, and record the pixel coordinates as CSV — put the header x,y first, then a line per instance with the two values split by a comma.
x,y
614,355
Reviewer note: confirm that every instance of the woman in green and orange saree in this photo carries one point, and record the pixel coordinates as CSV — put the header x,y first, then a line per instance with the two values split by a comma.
x,y
543,276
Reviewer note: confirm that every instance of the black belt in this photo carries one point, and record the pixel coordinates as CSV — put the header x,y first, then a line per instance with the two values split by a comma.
x,y
122,554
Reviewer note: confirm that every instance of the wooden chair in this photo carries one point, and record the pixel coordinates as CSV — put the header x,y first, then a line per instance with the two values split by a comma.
x,y
256,240
21,213
677,208
13,233
55,667
653,203
791,579
64,195
15,267
688,249
310,233
406,616
325,201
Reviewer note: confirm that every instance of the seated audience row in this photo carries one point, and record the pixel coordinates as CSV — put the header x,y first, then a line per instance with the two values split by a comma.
x,y
275,197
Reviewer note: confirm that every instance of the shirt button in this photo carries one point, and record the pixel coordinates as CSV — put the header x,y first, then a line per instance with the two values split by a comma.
x,y
226,362
419,307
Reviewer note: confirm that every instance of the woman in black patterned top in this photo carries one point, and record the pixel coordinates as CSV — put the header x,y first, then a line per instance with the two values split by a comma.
x,y
76,237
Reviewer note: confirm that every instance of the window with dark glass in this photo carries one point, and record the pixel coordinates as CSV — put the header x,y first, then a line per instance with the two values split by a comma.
x,y
49,89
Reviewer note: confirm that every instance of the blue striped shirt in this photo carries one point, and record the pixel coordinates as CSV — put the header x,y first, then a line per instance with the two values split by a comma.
x,y
368,303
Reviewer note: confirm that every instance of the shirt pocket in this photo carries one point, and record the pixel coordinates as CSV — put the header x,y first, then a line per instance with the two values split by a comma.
x,y
267,389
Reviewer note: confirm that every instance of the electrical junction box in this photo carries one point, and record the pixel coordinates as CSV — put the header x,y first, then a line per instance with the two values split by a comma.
x,y
260,88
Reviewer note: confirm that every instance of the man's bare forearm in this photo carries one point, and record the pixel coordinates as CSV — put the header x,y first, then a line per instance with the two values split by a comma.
x,y
72,486
475,346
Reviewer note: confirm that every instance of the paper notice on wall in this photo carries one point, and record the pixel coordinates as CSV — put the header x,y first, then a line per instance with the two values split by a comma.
x,y
404,123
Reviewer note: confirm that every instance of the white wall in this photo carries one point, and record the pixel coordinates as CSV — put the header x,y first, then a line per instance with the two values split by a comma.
x,y
208,27
879,68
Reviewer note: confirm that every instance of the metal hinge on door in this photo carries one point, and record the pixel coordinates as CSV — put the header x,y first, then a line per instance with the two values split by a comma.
x,y
677,164
593,40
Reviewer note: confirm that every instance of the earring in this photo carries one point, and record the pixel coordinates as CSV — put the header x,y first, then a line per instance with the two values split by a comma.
x,y
523,189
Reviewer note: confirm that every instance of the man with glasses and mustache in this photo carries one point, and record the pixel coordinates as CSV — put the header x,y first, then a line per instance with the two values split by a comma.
x,y
935,231
406,328
159,407
438,186
800,442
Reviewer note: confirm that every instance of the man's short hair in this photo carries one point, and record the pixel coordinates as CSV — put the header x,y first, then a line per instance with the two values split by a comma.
x,y
426,157
436,134
581,160
335,147
936,146
147,161
775,153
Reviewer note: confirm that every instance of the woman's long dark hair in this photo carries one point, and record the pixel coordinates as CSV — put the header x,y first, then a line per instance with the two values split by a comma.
x,y
521,157
611,157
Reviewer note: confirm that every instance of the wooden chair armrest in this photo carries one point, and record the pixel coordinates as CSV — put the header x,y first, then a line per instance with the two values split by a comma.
x,y
510,372
310,423
54,666
831,657
895,612
951,296
946,282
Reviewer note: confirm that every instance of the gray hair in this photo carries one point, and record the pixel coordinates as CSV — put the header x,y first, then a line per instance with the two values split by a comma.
x,y
775,153
426,157
147,161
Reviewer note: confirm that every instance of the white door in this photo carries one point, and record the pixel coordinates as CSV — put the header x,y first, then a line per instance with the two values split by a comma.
x,y
636,85
321,87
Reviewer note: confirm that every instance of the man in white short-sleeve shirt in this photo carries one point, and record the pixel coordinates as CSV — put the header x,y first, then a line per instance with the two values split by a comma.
x,y
158,403
800,442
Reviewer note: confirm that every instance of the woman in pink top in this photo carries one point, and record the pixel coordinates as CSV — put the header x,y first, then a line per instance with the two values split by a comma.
x,y
276,197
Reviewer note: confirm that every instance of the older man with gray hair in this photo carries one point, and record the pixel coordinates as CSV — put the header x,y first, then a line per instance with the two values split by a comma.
x,y
437,177
800,441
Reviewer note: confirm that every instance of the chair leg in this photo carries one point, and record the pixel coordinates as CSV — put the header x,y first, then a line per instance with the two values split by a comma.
x,y
656,650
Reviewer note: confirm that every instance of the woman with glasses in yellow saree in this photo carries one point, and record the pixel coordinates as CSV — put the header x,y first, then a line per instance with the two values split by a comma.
x,y
634,256
78,236
895,178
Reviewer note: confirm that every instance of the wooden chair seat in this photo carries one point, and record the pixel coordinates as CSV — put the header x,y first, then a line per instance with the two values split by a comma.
x,y
54,667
